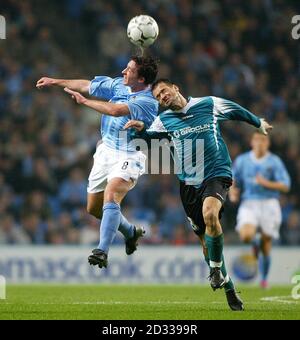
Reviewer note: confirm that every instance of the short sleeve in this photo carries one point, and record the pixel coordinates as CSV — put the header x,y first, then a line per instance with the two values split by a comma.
x,y
280,172
104,87
144,109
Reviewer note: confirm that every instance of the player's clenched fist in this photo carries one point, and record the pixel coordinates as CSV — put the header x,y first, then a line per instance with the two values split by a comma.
x,y
44,82
135,124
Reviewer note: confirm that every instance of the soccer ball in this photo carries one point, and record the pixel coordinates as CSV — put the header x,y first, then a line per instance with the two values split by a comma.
x,y
142,30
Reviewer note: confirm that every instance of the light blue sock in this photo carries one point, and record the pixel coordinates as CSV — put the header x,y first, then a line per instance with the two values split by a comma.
x,y
109,225
126,228
264,266
256,244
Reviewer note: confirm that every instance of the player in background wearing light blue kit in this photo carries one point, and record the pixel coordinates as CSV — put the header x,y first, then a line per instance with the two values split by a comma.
x,y
203,192
260,177
117,165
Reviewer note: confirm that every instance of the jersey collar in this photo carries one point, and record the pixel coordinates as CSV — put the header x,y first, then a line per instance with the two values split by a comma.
x,y
191,102
134,93
259,160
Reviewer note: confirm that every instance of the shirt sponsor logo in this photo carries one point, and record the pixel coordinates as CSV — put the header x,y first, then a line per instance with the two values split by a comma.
x,y
187,117
187,130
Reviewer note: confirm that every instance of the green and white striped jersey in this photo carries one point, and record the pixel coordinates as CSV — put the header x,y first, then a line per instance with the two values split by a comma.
x,y
200,151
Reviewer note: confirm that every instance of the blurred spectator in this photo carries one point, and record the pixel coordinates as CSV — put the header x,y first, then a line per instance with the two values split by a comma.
x,y
10,232
172,216
72,192
33,227
292,230
36,202
179,237
89,234
154,236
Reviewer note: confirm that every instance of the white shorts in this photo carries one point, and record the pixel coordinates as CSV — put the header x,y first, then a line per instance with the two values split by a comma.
x,y
110,163
264,214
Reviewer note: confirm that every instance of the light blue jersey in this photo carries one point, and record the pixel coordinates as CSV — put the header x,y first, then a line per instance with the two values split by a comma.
x,y
142,106
245,169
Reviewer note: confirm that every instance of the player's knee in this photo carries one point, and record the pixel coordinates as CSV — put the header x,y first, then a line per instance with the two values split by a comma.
x,y
113,196
246,237
266,245
210,218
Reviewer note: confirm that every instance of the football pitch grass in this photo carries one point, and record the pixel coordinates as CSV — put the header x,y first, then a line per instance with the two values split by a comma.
x,y
143,302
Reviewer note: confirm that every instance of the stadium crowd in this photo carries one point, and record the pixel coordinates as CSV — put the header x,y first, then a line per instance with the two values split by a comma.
x,y
240,50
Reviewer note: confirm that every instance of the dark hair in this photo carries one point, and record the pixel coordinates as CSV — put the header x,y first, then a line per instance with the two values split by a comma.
x,y
147,68
161,80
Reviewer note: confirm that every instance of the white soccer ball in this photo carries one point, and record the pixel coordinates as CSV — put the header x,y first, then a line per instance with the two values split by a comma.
x,y
142,30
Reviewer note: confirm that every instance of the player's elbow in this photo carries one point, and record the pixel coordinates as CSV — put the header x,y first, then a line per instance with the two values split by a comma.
x,y
115,113
118,111
285,189
85,87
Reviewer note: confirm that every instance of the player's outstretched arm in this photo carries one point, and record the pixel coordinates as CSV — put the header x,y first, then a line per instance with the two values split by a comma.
x,y
79,85
228,110
272,185
110,109
156,130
